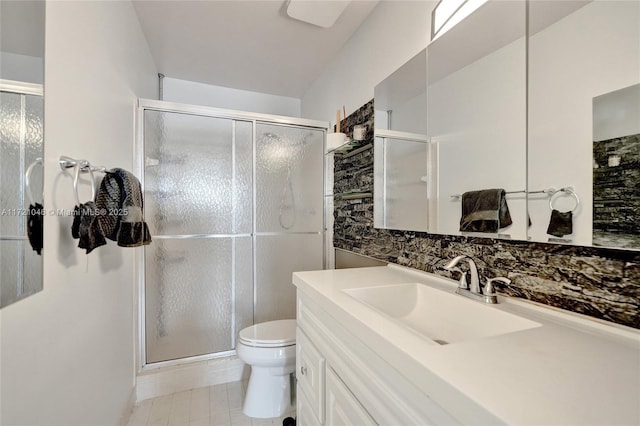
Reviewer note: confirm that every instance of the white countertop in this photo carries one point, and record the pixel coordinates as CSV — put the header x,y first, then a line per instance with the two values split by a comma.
x,y
572,370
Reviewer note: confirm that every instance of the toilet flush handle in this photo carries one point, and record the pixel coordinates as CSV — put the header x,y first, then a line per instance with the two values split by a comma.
x,y
303,370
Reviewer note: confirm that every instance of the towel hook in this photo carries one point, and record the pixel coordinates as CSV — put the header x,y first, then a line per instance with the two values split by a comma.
x,y
567,190
27,180
82,165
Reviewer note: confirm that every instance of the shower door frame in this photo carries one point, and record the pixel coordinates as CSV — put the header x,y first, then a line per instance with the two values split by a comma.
x,y
139,166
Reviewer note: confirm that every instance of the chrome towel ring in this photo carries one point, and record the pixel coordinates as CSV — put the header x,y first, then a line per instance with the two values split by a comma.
x,y
567,190
84,166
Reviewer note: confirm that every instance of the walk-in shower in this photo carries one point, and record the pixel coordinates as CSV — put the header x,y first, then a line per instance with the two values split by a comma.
x,y
234,202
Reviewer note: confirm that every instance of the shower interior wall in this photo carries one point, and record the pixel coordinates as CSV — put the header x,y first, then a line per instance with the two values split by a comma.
x,y
235,205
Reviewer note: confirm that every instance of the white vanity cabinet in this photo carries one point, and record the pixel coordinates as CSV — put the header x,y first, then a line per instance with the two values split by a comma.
x,y
310,374
341,381
318,383
364,366
343,409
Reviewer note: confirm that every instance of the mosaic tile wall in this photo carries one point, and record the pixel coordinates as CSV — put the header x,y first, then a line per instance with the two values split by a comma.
x,y
602,283
616,176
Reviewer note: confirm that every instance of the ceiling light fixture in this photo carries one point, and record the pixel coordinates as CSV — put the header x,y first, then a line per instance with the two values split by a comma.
x,y
321,13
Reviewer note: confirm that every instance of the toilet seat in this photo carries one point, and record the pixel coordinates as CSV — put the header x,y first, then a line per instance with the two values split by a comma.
x,y
271,334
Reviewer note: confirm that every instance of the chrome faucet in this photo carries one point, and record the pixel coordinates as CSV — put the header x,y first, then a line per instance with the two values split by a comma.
x,y
473,290
474,286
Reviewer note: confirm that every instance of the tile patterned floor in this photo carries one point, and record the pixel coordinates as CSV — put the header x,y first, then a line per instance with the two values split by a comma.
x,y
214,405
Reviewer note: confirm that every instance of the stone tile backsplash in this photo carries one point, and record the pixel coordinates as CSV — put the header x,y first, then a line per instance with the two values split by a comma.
x,y
602,283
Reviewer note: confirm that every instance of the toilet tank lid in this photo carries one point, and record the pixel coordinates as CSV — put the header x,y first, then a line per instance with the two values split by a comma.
x,y
281,332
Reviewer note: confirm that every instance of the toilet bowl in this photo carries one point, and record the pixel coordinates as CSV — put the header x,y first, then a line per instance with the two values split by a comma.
x,y
270,349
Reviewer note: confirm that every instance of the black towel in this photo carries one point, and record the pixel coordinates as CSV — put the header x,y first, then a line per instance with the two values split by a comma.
x,y
561,223
120,195
91,236
75,226
34,226
86,227
484,211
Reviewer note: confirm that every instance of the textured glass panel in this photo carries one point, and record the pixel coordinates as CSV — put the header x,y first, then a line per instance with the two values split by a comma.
x,y
34,144
329,167
330,252
188,297
188,174
11,162
243,282
10,273
243,213
21,272
278,257
289,186
406,191
32,273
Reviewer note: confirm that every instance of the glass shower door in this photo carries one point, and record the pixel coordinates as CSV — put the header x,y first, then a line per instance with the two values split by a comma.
x,y
198,271
289,214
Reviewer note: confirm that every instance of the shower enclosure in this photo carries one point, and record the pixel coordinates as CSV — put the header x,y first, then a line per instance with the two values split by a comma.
x,y
234,203
21,150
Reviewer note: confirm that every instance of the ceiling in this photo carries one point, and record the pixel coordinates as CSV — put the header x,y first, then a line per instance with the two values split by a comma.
x,y
244,44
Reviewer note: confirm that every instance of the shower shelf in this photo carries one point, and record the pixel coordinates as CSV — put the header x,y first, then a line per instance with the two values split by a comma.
x,y
353,195
350,148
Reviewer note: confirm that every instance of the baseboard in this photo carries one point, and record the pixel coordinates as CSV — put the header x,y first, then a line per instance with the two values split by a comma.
x,y
178,378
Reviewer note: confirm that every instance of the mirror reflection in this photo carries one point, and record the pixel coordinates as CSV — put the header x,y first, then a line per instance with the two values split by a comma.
x,y
550,117
21,148
477,124
616,168
400,184
584,68
401,149
400,100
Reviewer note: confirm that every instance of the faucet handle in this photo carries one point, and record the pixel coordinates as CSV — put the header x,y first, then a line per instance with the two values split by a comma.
x,y
488,288
463,277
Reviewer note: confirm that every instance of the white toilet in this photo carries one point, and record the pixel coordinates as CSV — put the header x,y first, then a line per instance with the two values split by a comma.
x,y
270,349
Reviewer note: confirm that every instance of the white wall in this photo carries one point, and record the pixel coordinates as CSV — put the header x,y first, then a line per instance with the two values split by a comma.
x,y
393,33
190,92
565,74
68,352
28,69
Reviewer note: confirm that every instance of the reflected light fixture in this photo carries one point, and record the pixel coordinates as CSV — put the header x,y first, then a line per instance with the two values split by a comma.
x,y
448,13
321,13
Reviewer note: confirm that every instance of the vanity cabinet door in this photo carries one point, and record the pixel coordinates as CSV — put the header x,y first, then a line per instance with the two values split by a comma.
x,y
305,415
343,409
310,367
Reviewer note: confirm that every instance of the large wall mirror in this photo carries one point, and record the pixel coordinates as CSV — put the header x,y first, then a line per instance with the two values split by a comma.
x,y
21,148
584,121
477,124
552,117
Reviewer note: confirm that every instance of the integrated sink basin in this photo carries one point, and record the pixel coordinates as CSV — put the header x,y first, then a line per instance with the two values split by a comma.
x,y
437,315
